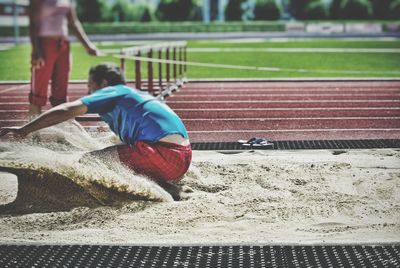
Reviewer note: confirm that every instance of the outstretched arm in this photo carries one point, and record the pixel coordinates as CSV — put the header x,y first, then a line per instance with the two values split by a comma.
x,y
51,117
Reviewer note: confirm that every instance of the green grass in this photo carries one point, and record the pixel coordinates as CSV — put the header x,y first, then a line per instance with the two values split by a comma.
x,y
167,27
15,61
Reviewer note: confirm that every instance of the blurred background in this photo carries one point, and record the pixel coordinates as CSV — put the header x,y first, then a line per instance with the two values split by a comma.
x,y
160,16
301,38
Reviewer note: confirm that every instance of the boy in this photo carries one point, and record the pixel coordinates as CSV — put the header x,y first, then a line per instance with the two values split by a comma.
x,y
155,141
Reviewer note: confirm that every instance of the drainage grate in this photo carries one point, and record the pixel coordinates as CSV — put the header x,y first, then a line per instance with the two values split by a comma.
x,y
303,145
199,256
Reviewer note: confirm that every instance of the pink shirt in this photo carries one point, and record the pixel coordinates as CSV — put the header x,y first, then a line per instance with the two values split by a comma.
x,y
53,18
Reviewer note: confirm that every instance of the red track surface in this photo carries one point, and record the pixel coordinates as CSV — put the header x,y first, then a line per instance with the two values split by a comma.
x,y
228,111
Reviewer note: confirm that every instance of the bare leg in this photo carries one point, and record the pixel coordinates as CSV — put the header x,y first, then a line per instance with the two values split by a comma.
x,y
174,190
34,111
178,192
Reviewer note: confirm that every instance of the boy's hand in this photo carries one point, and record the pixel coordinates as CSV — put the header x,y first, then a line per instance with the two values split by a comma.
x,y
16,131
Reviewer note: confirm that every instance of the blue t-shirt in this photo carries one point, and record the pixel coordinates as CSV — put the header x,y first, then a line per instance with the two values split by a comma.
x,y
134,115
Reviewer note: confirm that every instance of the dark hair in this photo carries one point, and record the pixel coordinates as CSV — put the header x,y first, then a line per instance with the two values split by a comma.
x,y
109,72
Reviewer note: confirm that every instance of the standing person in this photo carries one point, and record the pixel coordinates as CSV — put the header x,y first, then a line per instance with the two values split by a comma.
x,y
50,59
155,141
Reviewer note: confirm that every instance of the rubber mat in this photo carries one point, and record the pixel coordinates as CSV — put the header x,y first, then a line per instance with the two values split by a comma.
x,y
199,256
303,145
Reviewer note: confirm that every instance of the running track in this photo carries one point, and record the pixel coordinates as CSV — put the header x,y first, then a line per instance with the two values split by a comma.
x,y
228,111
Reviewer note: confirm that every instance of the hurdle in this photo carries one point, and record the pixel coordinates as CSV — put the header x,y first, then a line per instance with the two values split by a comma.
x,y
167,54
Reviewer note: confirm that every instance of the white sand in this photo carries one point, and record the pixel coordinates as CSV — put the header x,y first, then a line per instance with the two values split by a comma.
x,y
262,197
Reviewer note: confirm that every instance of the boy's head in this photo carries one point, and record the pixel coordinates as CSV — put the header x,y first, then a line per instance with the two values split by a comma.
x,y
104,75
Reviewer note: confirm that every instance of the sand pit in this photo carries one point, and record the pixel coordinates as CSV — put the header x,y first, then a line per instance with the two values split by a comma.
x,y
254,197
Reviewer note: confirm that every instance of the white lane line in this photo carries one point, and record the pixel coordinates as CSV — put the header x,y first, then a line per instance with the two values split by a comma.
x,y
258,109
253,101
258,119
15,103
5,47
263,95
264,119
254,68
290,109
297,82
292,118
300,85
296,130
277,130
281,101
287,95
295,50
262,89
14,88
286,92
291,40
91,128
268,118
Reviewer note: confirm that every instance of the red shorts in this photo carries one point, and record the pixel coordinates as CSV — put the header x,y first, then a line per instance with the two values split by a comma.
x,y
56,55
160,161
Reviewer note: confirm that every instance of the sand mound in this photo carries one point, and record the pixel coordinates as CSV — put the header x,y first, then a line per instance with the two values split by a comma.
x,y
55,176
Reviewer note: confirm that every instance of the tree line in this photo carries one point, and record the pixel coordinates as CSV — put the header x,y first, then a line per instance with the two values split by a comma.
x,y
237,10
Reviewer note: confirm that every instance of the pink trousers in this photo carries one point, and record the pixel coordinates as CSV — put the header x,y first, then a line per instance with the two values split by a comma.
x,y
56,55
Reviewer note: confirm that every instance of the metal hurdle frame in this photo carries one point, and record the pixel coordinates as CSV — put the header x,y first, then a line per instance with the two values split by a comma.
x,y
175,54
